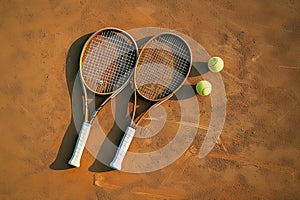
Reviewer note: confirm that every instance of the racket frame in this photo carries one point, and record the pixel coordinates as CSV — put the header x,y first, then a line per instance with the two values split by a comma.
x,y
130,131
143,49
86,125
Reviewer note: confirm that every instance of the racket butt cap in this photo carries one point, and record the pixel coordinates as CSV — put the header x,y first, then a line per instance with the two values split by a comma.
x,y
75,163
116,165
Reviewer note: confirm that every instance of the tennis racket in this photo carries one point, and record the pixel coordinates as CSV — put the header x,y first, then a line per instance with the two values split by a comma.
x,y
162,67
106,65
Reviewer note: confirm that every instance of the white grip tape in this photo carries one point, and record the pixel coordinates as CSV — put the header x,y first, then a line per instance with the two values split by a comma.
x,y
80,144
123,147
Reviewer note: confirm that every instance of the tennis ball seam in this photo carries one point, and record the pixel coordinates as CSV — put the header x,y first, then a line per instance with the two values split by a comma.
x,y
214,62
203,91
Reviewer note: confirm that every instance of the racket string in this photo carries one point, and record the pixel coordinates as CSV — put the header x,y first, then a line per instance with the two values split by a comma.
x,y
163,67
107,76
97,45
158,53
108,62
181,56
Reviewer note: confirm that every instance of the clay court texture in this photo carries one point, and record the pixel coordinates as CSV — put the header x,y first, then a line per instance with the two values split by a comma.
x,y
258,156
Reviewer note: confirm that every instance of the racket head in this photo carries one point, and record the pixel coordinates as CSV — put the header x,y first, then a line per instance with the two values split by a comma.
x,y
162,66
107,60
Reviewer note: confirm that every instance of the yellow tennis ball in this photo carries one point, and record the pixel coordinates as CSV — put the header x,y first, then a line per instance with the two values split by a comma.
x,y
203,88
215,64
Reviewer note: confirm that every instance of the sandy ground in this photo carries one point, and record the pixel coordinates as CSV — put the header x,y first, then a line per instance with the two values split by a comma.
x,y
259,41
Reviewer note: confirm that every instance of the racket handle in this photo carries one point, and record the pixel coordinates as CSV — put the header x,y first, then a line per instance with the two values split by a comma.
x,y
123,147
80,144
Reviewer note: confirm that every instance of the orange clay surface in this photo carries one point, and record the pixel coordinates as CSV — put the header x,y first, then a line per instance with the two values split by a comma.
x,y
259,157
